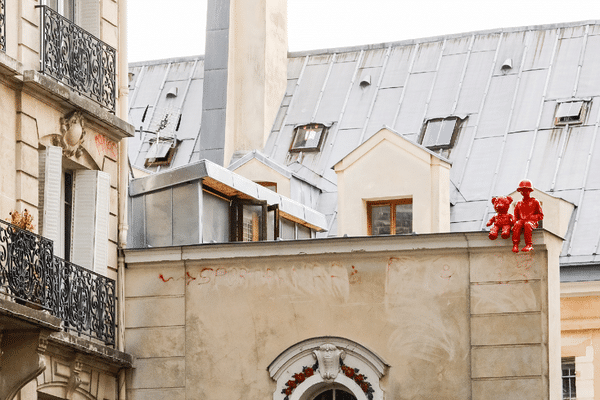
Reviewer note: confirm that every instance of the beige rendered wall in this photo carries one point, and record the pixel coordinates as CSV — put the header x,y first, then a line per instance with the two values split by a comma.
x,y
259,172
456,316
257,72
392,169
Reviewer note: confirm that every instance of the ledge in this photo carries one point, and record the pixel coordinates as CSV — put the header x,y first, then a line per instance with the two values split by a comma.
x,y
23,317
107,354
117,128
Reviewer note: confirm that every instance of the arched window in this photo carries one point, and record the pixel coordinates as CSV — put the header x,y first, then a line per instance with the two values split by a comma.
x,y
328,368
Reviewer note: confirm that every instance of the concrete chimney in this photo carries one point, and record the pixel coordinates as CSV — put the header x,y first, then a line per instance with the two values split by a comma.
x,y
245,75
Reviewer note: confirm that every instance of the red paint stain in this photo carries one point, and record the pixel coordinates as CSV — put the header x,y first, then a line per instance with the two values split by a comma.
x,y
163,278
189,278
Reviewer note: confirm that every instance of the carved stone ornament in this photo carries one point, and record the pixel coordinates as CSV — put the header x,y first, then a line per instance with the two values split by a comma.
x,y
329,358
72,133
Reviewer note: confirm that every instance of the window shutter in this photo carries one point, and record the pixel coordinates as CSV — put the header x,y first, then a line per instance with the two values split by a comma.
x,y
90,219
89,16
50,195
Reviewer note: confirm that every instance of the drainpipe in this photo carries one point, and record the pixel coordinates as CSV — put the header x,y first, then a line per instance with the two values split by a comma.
x,y
123,182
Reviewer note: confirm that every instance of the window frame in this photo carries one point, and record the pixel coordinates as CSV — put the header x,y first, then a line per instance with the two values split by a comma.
x,y
567,362
392,203
317,147
457,126
567,118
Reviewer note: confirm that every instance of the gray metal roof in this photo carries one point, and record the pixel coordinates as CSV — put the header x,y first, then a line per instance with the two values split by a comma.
x,y
509,132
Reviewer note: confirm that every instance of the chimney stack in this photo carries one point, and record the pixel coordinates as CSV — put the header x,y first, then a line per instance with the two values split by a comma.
x,y
245,76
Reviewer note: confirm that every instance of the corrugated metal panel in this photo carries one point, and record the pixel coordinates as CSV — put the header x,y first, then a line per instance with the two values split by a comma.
x,y
574,160
592,115
540,51
480,168
383,110
397,69
564,69
373,58
547,118
334,95
585,236
320,59
427,57
527,106
307,94
360,99
512,46
474,83
150,85
513,163
494,117
593,178
347,140
182,153
466,212
348,57
589,79
573,31
457,46
486,42
458,155
545,156
191,112
180,71
199,71
410,118
446,85
295,67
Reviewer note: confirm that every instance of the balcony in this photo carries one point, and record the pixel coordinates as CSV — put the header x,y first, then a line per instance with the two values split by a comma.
x,y
78,59
2,25
30,274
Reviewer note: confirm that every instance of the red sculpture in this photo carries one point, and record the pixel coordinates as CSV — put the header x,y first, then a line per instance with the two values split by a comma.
x,y
528,212
503,221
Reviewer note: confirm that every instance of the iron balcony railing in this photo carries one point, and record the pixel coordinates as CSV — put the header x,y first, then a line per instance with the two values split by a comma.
x,y
31,274
77,58
3,25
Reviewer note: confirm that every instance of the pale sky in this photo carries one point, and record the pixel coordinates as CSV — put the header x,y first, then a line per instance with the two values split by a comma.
x,y
175,28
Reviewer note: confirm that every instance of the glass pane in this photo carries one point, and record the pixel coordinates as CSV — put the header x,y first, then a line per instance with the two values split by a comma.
x,y
380,220
446,132
307,137
341,395
186,220
287,229
403,218
251,224
159,222
431,133
303,232
568,380
328,395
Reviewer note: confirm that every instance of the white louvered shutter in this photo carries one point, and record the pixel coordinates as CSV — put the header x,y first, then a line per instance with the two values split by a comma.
x,y
90,219
50,195
88,16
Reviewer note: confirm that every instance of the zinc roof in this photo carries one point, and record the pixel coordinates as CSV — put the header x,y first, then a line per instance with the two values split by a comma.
x,y
509,133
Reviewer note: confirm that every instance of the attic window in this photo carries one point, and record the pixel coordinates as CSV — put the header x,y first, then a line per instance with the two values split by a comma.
x,y
440,133
160,153
308,137
572,112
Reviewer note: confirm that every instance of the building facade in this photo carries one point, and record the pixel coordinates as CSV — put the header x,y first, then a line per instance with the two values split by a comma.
x,y
63,83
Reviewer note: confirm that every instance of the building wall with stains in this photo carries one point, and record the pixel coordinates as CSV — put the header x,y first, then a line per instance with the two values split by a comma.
x,y
454,316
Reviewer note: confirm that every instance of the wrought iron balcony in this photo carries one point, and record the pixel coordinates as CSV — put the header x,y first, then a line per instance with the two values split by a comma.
x,y
77,58
3,25
31,274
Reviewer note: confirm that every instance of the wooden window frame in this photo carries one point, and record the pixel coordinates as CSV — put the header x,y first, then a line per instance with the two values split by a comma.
x,y
392,203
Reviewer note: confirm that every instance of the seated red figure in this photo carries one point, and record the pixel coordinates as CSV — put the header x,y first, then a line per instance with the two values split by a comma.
x,y
502,221
528,212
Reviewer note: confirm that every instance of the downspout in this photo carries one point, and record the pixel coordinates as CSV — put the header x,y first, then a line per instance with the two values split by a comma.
x,y
123,183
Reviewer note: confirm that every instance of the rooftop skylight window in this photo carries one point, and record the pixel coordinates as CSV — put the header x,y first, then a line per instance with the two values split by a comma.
x,y
160,153
571,112
440,133
308,137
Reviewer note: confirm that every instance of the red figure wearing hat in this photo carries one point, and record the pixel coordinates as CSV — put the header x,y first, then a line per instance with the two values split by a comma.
x,y
527,214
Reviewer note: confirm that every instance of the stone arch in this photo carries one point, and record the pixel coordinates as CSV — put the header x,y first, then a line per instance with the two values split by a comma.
x,y
302,370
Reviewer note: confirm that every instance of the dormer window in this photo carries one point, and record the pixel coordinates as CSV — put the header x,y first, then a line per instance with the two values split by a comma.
x,y
440,133
308,137
570,112
160,153
389,217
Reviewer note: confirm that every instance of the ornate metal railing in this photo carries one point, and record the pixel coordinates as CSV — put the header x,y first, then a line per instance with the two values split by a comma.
x,y
32,275
3,25
77,58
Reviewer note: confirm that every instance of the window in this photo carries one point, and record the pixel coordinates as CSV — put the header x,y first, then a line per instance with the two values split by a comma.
x,y
308,137
334,394
389,217
440,133
568,378
160,153
85,13
569,113
68,213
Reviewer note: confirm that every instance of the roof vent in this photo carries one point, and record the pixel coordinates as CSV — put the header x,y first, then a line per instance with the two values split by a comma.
x,y
365,81
506,65
172,92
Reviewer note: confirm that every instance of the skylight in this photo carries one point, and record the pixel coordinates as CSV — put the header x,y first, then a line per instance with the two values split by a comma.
x,y
308,137
440,133
571,112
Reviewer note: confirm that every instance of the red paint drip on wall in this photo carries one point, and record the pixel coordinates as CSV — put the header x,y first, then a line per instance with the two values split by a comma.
x,y
190,278
163,278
